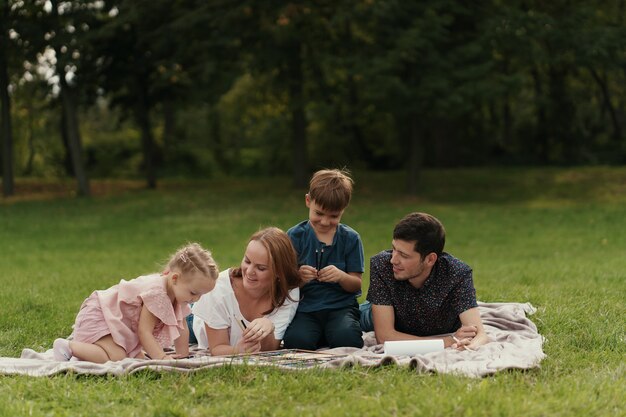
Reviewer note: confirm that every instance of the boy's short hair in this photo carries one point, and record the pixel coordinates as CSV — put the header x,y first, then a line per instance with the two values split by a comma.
x,y
331,188
426,230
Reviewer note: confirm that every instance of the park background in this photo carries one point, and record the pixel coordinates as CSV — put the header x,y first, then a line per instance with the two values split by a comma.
x,y
153,89
131,127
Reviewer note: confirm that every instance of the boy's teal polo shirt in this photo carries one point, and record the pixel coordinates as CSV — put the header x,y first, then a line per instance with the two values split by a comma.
x,y
346,253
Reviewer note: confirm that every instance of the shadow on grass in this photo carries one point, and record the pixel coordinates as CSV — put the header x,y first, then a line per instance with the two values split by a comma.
x,y
498,185
505,185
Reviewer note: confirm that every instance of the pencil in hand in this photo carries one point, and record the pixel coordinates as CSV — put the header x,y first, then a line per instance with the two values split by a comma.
x,y
241,324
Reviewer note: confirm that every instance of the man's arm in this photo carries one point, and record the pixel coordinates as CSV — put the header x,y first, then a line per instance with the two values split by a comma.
x,y
471,318
383,313
384,325
385,330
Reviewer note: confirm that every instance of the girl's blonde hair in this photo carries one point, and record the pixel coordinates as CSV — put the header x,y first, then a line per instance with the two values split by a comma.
x,y
193,257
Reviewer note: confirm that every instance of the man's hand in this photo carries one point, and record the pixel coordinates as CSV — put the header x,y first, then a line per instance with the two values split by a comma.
x,y
466,332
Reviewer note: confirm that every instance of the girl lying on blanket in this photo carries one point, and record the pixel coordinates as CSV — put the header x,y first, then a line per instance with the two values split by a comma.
x,y
146,313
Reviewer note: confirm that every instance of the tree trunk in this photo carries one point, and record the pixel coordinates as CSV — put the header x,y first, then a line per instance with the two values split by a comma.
x,y
31,139
67,159
6,130
70,117
298,118
353,125
606,96
542,141
142,116
562,113
415,156
219,150
70,111
507,120
353,101
169,123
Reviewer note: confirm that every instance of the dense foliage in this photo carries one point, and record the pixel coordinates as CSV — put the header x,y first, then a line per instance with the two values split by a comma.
x,y
106,88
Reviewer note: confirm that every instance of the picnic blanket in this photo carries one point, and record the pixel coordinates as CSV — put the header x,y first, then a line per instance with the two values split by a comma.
x,y
516,344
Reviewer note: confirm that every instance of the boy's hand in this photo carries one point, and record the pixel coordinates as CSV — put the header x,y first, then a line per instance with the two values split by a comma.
x,y
307,273
330,273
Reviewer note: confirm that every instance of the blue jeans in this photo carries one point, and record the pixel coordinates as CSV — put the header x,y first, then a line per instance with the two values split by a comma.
x,y
333,328
367,324
192,336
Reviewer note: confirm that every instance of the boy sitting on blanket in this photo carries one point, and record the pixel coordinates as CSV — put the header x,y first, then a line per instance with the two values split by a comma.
x,y
417,291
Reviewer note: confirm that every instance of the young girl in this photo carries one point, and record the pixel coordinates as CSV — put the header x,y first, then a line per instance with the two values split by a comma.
x,y
146,313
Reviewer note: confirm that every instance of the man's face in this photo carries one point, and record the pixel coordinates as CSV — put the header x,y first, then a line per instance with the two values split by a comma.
x,y
407,264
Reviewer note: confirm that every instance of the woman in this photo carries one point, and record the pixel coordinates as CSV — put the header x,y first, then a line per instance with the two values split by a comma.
x,y
251,306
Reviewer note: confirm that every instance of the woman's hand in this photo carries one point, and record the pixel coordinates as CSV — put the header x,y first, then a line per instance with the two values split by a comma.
x,y
258,329
244,346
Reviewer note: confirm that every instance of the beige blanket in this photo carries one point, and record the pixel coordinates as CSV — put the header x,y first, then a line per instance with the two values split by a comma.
x,y
515,344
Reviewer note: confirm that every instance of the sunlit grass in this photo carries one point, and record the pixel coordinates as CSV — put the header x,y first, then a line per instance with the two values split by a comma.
x,y
552,237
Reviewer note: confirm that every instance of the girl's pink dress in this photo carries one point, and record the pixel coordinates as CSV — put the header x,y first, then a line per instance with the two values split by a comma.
x,y
115,311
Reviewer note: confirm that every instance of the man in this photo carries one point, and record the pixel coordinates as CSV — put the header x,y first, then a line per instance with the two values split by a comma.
x,y
417,291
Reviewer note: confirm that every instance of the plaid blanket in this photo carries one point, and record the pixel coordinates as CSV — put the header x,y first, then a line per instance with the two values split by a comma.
x,y
516,344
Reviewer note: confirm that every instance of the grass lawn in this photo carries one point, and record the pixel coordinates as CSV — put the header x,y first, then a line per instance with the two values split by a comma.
x,y
552,237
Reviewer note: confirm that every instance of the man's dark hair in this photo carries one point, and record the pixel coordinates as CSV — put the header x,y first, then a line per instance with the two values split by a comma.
x,y
427,232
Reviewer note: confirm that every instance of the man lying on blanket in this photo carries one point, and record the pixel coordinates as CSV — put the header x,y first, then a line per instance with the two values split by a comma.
x,y
417,291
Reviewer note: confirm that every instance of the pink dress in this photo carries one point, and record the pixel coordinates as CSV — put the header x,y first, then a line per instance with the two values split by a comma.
x,y
115,311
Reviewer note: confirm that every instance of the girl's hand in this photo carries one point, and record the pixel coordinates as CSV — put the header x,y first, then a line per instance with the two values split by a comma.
x,y
258,329
165,357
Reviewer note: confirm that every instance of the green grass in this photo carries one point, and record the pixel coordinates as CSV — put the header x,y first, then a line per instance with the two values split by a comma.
x,y
553,237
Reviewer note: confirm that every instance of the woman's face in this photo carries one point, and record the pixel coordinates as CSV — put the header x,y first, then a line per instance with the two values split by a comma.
x,y
255,267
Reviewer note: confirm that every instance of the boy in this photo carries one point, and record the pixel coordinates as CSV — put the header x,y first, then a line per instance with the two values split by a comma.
x,y
331,259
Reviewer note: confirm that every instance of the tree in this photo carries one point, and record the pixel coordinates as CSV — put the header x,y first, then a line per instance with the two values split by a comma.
x,y
6,131
428,67
68,20
142,64
278,39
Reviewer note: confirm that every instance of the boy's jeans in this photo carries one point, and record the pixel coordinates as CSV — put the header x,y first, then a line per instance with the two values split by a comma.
x,y
367,325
